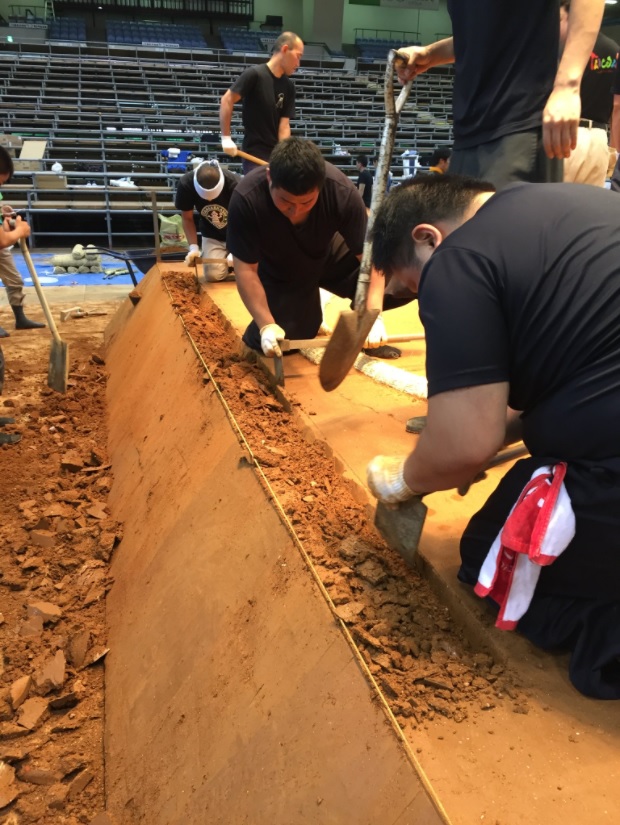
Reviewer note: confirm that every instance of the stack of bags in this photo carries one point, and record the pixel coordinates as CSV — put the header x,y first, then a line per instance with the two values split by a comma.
x,y
80,259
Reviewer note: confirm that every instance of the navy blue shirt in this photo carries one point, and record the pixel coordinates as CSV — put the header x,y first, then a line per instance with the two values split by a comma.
x,y
506,57
528,291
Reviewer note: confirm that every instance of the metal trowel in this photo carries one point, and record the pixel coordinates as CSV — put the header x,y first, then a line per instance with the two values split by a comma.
x,y
401,526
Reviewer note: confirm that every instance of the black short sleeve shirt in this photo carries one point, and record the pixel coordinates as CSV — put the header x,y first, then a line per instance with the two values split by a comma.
x,y
213,220
528,292
265,99
260,233
506,57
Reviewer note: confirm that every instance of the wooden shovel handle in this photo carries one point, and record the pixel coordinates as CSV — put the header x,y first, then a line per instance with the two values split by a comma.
x,y
251,158
37,285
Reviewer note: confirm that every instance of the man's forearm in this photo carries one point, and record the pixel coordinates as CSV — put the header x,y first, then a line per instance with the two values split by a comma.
x,y
465,429
584,22
189,227
430,467
284,129
441,52
615,124
226,110
252,293
376,288
514,427
10,237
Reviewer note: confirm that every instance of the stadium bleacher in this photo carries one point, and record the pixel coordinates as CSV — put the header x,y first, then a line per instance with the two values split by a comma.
x,y
110,115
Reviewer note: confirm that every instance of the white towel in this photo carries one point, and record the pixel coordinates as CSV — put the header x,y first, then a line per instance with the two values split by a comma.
x,y
538,529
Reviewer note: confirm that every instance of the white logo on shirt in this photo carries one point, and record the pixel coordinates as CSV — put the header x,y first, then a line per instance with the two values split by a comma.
x,y
216,215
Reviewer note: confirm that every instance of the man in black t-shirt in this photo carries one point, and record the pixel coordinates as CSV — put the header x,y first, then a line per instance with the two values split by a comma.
x,y
294,227
520,297
589,161
364,179
515,110
207,190
268,101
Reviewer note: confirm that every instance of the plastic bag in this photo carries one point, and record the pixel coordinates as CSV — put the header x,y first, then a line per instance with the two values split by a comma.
x,y
171,231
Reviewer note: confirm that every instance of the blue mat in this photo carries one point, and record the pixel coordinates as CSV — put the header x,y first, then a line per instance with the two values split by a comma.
x,y
43,264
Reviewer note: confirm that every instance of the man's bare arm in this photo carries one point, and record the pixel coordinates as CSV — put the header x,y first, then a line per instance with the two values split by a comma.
x,y
514,427
465,428
227,103
10,236
422,58
563,109
284,128
615,124
189,227
252,292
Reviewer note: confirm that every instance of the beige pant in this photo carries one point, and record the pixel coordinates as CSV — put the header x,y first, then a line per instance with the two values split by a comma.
x,y
11,278
214,249
588,162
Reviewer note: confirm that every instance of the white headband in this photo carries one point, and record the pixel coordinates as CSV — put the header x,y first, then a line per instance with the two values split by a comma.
x,y
209,194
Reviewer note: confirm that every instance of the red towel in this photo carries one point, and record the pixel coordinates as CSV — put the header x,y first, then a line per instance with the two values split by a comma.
x,y
538,529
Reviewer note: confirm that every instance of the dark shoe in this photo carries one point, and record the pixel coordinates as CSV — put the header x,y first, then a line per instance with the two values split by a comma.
x,y
416,424
21,322
4,333
386,351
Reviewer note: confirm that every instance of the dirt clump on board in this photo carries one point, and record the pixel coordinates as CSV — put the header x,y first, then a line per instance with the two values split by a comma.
x,y
57,538
411,644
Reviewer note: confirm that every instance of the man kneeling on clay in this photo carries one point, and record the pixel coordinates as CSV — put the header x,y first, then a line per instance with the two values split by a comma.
x,y
520,298
294,226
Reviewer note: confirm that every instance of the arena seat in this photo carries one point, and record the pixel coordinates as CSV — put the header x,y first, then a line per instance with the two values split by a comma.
x,y
376,49
236,39
67,29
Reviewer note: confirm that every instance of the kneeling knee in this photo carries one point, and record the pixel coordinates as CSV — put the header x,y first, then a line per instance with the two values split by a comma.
x,y
215,272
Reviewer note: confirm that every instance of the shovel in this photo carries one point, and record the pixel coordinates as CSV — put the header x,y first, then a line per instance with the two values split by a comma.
x,y
354,325
58,372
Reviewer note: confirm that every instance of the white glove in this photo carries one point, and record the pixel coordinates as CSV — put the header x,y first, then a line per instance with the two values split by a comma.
x,y
229,146
386,480
194,252
270,334
377,335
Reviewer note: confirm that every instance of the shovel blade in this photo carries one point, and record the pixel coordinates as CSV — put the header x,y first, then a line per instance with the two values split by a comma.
x,y
58,372
344,346
402,528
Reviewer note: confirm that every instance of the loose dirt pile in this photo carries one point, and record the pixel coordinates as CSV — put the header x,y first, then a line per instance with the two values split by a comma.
x,y
57,538
409,641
